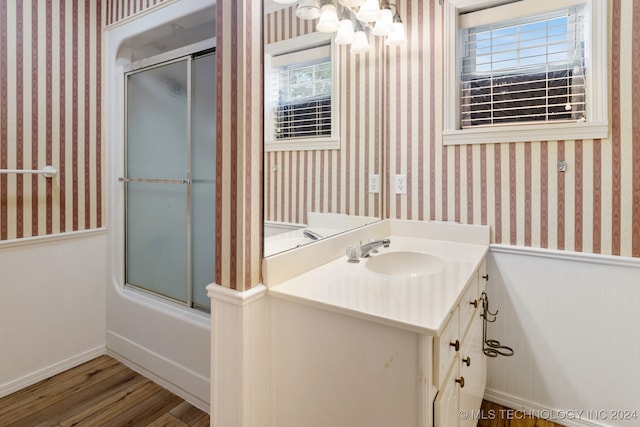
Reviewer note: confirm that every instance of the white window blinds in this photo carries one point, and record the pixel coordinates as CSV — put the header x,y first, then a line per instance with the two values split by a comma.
x,y
528,69
302,95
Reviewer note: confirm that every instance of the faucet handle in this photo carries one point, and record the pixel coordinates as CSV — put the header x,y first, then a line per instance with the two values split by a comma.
x,y
353,252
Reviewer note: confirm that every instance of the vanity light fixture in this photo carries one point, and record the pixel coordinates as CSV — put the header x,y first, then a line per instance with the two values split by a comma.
x,y
397,36
360,41
353,20
328,22
308,9
369,11
384,23
345,32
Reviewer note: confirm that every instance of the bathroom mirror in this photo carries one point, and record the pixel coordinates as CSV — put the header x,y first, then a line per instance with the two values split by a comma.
x,y
318,186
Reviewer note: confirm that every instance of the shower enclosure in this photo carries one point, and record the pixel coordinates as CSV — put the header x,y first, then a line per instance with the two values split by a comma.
x,y
170,176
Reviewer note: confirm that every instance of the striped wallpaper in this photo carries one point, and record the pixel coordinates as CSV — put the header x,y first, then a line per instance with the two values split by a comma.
x,y
50,114
592,207
297,182
239,143
50,61
515,187
118,10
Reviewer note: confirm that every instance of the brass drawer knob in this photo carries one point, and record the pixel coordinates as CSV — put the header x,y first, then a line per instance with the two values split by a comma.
x,y
455,345
467,361
460,381
474,303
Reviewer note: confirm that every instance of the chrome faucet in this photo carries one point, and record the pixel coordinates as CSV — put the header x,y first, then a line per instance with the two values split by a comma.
x,y
367,248
311,235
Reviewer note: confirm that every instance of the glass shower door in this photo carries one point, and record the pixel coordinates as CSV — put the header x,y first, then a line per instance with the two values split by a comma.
x,y
170,179
157,193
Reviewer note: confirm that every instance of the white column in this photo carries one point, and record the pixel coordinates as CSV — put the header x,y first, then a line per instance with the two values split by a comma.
x,y
239,357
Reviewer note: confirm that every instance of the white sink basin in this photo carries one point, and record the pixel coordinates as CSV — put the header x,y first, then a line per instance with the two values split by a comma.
x,y
405,264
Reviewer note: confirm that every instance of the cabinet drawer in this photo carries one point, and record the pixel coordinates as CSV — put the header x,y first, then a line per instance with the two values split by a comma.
x,y
445,348
468,305
446,407
473,368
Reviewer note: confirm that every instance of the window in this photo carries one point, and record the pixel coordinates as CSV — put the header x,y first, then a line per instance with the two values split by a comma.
x,y
300,94
302,105
526,71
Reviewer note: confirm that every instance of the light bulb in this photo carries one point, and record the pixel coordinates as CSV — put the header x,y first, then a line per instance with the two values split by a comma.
x,y
369,11
328,22
384,23
360,43
308,9
397,36
345,32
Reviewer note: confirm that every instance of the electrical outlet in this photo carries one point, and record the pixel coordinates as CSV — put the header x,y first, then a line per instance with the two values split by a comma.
x,y
401,184
374,183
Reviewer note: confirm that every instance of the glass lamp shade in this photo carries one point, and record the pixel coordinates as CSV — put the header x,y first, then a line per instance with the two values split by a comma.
x,y
351,3
308,9
384,23
397,36
345,32
360,43
328,22
369,11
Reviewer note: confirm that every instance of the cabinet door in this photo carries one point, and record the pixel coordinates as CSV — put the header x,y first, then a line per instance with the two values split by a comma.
x,y
446,405
473,367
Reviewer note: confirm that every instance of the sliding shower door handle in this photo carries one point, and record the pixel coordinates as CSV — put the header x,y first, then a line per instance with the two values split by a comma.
x,y
155,181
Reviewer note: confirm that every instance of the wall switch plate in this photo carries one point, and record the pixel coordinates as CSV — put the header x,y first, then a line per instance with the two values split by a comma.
x,y
401,184
374,183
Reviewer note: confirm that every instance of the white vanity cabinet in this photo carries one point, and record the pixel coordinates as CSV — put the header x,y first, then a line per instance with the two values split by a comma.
x,y
460,366
349,369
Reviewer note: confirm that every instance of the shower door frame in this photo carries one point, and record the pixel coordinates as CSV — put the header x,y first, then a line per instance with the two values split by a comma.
x,y
187,54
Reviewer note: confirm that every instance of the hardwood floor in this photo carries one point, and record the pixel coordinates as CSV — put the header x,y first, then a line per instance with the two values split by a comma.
x,y
494,415
104,392
101,392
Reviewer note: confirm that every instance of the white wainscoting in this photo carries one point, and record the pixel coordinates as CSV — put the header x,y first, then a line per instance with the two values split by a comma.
x,y
574,322
52,306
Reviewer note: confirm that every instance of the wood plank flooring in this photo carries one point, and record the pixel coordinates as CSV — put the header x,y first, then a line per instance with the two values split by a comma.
x,y
101,392
104,392
494,415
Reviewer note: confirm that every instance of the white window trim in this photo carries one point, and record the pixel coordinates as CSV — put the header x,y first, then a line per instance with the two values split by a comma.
x,y
302,144
597,124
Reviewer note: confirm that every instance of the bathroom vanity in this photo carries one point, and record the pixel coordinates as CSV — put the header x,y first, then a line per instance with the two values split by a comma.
x,y
393,340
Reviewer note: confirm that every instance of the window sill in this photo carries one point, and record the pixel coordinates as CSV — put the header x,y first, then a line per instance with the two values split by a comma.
x,y
526,133
302,145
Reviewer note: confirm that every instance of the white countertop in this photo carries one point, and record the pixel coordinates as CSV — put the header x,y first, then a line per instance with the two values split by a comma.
x,y
419,304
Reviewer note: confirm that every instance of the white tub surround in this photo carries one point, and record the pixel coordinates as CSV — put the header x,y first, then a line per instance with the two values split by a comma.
x,y
350,346
239,357
166,342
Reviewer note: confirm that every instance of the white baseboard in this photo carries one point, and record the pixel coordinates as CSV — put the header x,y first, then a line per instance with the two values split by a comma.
x,y
569,418
48,372
178,379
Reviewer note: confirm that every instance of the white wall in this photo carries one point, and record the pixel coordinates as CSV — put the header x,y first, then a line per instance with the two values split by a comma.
x,y
573,320
52,306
